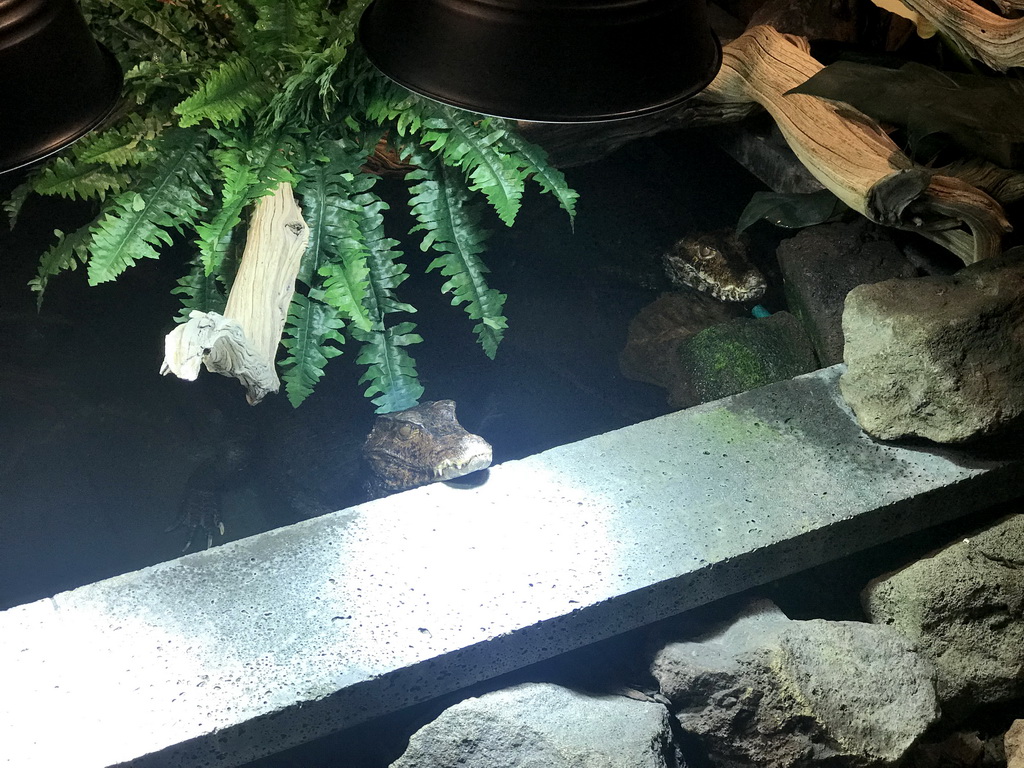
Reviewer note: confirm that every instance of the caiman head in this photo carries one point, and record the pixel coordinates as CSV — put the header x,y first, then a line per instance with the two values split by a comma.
x,y
421,445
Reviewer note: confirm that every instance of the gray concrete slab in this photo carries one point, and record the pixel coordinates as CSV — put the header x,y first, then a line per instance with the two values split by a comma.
x,y
262,644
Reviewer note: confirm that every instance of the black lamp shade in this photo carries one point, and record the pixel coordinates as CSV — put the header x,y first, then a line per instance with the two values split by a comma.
x,y
545,60
56,82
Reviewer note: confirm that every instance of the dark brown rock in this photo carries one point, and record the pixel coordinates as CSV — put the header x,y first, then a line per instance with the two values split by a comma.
x,y
822,264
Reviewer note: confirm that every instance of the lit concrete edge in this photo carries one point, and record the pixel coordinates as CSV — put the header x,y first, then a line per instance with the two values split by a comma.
x,y
954,483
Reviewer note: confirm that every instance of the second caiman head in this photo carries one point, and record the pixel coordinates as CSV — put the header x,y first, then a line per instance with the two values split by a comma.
x,y
421,445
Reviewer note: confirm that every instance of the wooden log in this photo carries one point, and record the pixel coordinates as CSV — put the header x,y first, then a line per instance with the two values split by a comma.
x,y
243,342
978,32
1003,184
850,154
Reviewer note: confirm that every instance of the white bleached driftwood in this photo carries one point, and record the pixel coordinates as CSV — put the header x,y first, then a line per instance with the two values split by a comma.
x,y
243,342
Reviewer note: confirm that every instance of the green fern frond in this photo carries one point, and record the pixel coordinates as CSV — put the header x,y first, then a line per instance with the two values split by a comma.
x,y
198,291
249,168
391,375
272,154
66,254
387,271
174,24
308,93
386,103
311,93
242,15
534,160
85,181
290,26
119,146
440,204
312,327
17,198
135,224
216,233
473,145
344,268
161,84
227,95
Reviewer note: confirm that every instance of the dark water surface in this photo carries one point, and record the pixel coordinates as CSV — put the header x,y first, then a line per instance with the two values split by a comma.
x,y
96,447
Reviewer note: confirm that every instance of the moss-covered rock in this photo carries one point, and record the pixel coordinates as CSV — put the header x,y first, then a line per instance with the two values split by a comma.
x,y
742,354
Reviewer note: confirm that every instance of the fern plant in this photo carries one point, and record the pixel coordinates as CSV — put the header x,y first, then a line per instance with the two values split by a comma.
x,y
224,101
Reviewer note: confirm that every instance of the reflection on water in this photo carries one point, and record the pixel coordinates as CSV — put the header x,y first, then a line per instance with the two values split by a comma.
x,y
97,447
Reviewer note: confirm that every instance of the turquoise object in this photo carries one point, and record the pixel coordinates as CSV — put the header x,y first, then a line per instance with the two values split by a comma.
x,y
759,312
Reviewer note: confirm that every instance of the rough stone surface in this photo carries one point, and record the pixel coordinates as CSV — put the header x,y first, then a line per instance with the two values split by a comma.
x,y
964,607
768,691
963,749
654,335
821,264
739,355
938,357
540,725
1013,742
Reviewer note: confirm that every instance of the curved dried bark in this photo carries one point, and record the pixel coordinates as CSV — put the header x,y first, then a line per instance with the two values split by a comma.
x,y
979,33
850,154
243,342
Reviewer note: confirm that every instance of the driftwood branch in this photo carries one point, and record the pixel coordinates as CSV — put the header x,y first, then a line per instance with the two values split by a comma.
x,y
243,342
850,154
978,32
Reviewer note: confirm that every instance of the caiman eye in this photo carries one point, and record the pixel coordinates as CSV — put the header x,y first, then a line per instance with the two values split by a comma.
x,y
405,432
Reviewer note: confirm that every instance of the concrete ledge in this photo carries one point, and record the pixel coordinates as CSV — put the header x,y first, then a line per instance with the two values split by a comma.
x,y
255,646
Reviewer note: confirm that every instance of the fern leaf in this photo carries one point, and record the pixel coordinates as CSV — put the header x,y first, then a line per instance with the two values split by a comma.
x,y
391,375
226,95
347,241
173,24
198,291
320,193
290,26
85,181
17,198
312,327
119,146
133,225
439,203
242,14
249,168
311,93
475,148
386,270
215,234
534,160
65,254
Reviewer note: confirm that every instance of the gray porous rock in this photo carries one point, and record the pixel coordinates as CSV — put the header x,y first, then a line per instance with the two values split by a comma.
x,y
964,607
767,691
938,357
540,725
821,264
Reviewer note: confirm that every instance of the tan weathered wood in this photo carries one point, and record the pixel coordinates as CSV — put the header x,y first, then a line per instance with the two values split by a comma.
x,y
849,153
243,342
978,32
1005,185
